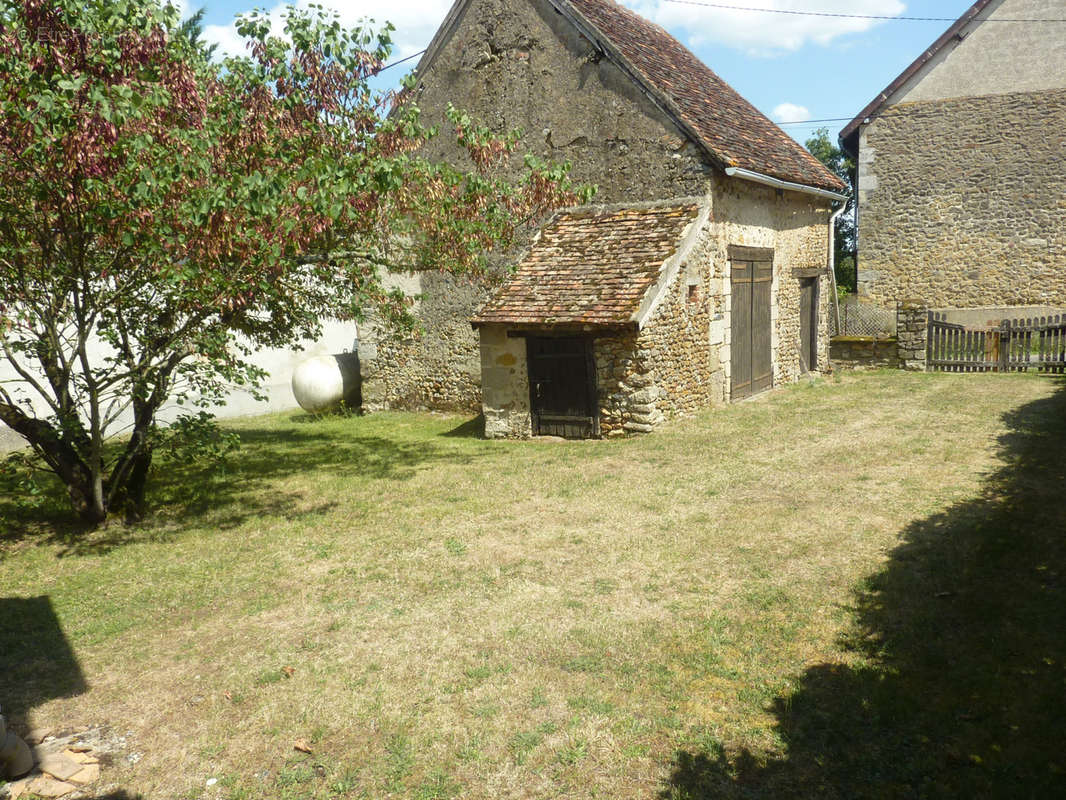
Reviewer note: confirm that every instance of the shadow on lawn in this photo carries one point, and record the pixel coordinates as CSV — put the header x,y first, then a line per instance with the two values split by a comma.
x,y
229,494
963,634
37,662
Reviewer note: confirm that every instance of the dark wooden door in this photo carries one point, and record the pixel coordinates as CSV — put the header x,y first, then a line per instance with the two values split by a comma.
x,y
751,277
562,387
808,324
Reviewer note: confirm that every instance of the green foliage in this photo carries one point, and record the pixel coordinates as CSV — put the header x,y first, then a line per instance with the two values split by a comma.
x,y
843,166
163,217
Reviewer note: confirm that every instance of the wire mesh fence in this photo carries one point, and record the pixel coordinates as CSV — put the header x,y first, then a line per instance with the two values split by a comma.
x,y
862,319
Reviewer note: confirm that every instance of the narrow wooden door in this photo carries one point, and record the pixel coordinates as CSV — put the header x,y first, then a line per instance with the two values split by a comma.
x,y
562,387
751,280
808,324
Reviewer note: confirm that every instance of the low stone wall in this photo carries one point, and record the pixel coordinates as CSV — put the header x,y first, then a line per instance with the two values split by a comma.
x,y
863,352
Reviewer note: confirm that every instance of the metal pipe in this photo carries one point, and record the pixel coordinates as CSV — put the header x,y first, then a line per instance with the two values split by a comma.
x,y
777,183
832,261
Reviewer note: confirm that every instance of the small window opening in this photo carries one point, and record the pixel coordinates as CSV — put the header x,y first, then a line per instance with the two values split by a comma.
x,y
694,293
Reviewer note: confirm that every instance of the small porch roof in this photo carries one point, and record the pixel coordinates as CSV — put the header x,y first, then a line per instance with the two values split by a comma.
x,y
595,266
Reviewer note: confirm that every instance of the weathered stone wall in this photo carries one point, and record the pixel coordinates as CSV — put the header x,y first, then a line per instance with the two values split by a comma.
x,y
505,383
912,333
678,362
438,365
859,352
962,202
521,65
796,226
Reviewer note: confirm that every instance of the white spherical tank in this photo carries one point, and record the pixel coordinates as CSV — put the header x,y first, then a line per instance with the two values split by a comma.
x,y
321,383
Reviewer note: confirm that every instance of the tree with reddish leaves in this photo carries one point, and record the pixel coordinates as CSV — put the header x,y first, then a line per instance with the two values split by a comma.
x,y
162,217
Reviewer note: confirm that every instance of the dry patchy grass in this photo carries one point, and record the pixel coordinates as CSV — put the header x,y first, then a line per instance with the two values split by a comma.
x,y
746,604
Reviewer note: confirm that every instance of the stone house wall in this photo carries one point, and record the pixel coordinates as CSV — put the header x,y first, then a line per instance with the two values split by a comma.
x,y
796,226
521,65
678,363
961,201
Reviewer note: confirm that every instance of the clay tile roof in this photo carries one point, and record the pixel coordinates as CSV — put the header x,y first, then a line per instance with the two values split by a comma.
x,y
730,127
590,267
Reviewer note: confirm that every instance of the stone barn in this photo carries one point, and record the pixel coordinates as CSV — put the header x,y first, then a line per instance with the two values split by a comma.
x,y
962,167
702,278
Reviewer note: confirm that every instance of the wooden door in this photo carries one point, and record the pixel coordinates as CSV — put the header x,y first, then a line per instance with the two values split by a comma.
x,y
751,280
808,324
562,387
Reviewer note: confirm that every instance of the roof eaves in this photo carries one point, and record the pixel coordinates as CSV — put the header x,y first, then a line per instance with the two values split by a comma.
x,y
847,136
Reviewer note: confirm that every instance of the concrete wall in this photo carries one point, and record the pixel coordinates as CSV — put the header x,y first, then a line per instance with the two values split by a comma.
x,y
521,65
338,337
961,202
996,58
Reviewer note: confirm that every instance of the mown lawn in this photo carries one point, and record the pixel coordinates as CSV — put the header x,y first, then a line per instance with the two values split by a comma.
x,y
846,588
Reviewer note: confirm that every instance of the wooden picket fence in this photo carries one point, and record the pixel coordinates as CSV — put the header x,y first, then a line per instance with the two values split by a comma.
x,y
1017,345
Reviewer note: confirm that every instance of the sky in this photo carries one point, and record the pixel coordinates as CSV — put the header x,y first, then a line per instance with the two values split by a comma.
x,y
796,69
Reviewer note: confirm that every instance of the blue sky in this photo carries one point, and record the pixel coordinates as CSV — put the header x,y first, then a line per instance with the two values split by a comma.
x,y
791,67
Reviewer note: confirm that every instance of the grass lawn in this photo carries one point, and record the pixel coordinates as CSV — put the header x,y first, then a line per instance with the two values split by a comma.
x,y
847,588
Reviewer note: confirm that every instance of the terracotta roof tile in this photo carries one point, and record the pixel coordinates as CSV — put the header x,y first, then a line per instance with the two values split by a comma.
x,y
590,267
729,126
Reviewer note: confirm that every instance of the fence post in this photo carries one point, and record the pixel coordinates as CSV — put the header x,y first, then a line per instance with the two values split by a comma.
x,y
912,333
1004,346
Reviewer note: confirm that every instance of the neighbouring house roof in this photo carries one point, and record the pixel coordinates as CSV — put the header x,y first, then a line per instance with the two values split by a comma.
x,y
729,128
849,135
591,266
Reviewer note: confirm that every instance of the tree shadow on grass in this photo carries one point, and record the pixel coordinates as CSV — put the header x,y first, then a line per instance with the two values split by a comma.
x,y
248,484
961,643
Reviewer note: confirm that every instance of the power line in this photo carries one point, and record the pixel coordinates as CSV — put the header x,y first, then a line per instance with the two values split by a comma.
x,y
400,61
844,16
812,121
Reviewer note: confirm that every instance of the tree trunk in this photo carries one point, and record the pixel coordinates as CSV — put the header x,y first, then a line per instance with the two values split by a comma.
x,y
63,459
135,485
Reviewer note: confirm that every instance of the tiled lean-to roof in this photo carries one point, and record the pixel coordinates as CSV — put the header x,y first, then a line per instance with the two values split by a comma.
x,y
730,127
590,266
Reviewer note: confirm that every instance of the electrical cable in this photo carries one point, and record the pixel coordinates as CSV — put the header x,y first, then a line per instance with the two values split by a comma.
x,y
885,17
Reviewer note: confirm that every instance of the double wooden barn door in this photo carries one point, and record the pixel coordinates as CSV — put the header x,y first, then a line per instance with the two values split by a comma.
x,y
562,387
751,277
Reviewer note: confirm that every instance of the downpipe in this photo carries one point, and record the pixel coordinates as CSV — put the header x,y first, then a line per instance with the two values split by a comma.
x,y
832,263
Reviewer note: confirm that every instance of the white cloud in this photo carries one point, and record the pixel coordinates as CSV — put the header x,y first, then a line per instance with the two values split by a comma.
x,y
790,112
765,34
415,21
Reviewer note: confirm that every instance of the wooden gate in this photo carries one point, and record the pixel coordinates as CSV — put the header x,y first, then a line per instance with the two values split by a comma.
x,y
751,275
808,324
1018,345
562,387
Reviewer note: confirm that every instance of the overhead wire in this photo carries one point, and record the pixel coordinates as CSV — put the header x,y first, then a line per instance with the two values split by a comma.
x,y
886,17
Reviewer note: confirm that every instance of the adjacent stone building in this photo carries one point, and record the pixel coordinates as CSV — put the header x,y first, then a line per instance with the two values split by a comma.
x,y
962,166
702,276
